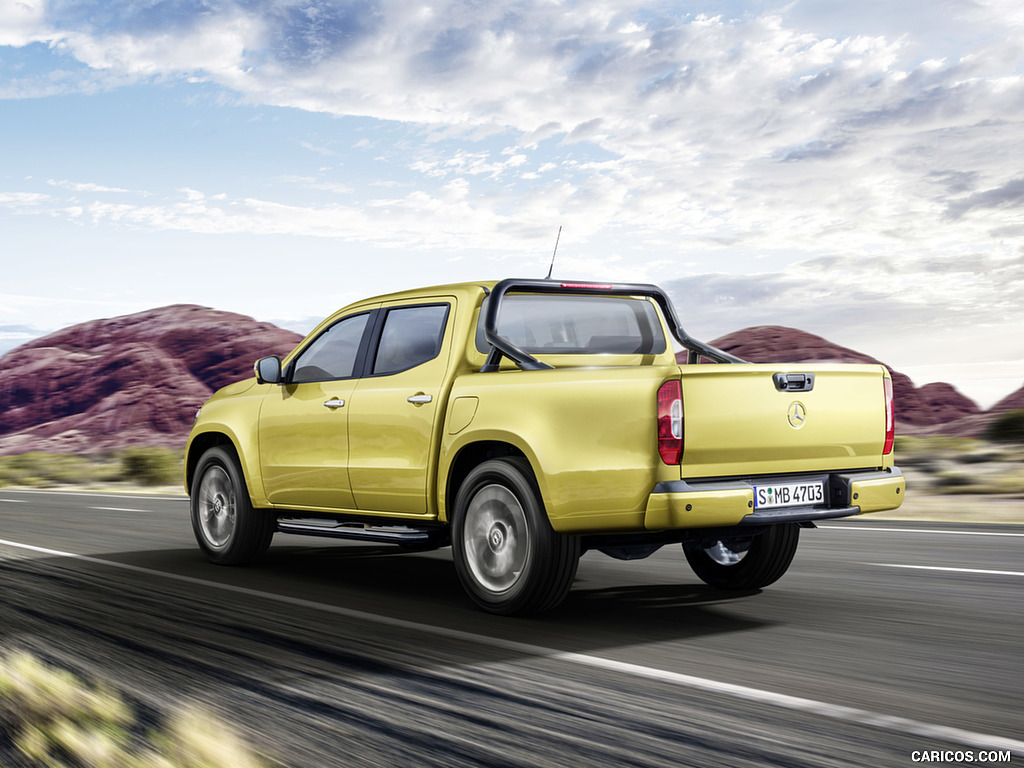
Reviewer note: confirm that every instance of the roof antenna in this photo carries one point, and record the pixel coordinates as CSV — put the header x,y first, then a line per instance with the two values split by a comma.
x,y
559,237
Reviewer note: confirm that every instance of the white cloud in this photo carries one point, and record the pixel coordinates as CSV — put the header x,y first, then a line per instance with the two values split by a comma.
x,y
25,202
82,187
858,157
212,44
469,163
313,148
407,222
23,22
755,118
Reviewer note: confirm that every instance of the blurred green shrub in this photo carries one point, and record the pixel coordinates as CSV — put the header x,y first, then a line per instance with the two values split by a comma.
x,y
139,466
152,466
934,445
1007,428
51,719
35,469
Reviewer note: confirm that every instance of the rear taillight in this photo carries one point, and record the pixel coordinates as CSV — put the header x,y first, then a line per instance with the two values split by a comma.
x,y
670,422
890,420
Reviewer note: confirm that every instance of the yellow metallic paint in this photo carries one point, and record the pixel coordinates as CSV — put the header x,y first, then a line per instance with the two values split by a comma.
x,y
588,428
736,421
589,433
666,511
229,414
878,495
461,413
304,445
392,440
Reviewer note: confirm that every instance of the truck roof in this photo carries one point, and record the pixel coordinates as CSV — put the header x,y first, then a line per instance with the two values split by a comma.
x,y
463,289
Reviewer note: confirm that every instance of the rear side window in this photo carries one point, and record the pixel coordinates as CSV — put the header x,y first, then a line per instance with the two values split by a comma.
x,y
332,355
411,336
577,325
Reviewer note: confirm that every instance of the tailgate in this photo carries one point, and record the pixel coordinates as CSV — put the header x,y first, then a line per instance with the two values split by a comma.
x,y
739,423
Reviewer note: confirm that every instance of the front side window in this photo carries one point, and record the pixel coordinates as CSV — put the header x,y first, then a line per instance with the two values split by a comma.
x,y
411,336
577,325
332,355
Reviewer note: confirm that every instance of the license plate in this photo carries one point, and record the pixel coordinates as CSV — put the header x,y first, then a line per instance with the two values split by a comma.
x,y
788,495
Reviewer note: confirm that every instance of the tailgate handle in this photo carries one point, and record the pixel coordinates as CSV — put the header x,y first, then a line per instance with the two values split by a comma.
x,y
794,382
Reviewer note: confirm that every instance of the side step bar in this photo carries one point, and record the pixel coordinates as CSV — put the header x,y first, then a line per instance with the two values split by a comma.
x,y
383,534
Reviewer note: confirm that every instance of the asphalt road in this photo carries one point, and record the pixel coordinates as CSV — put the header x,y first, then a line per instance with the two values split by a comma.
x,y
883,641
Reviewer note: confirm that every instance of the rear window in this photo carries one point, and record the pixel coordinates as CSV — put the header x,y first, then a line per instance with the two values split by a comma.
x,y
411,336
575,325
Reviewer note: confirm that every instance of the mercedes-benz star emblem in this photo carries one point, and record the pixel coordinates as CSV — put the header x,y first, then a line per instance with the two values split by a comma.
x,y
797,414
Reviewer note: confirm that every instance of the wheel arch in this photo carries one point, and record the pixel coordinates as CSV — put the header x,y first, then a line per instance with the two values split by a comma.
x,y
470,456
199,445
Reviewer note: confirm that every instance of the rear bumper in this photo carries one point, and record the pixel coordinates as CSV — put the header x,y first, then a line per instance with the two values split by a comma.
x,y
716,503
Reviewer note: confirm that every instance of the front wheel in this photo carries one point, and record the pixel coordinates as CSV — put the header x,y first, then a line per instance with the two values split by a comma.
x,y
508,558
226,526
744,563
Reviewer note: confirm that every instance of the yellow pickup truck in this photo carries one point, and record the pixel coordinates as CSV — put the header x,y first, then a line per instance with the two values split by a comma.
x,y
524,422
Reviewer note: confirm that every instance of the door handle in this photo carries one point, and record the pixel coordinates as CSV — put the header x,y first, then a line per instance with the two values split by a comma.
x,y
420,399
794,382
332,404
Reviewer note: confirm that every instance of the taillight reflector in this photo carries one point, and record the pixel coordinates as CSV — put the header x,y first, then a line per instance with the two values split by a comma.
x,y
591,286
670,422
890,419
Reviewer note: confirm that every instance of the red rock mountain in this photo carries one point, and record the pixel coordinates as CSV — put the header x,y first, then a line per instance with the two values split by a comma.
x,y
132,380
1014,402
138,379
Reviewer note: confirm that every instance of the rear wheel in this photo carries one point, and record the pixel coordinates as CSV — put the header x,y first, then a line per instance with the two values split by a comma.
x,y
508,558
744,563
226,526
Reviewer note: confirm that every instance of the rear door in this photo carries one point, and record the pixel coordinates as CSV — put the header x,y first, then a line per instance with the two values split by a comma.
x,y
397,406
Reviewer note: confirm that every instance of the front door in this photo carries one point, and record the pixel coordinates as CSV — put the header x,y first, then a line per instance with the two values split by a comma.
x,y
303,429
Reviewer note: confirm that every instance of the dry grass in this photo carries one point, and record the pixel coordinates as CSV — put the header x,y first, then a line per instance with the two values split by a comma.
x,y
52,719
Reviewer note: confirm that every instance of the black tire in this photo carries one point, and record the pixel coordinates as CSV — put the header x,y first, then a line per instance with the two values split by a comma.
x,y
508,558
744,564
226,526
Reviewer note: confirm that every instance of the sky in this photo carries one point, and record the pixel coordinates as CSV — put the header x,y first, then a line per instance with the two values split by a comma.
x,y
855,170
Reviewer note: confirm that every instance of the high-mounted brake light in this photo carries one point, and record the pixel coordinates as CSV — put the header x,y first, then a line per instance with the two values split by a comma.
x,y
670,422
596,286
890,420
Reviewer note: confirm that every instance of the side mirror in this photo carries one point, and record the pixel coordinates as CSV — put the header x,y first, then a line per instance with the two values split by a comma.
x,y
268,370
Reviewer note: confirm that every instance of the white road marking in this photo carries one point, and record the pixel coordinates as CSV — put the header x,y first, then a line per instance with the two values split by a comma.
x,y
914,530
865,717
13,501
95,494
118,509
950,570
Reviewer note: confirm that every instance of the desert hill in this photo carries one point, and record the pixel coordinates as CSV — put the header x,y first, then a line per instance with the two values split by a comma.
x,y
138,379
131,380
